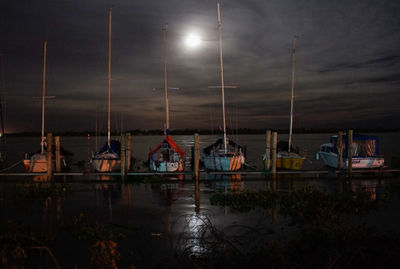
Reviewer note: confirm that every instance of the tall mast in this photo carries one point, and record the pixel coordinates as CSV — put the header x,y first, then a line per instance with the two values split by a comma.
x,y
44,91
165,77
2,99
222,74
109,77
292,95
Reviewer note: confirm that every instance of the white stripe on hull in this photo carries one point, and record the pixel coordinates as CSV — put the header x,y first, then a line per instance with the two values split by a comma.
x,y
331,159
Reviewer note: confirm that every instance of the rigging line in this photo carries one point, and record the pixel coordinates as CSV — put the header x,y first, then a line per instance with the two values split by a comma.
x,y
236,117
2,98
12,166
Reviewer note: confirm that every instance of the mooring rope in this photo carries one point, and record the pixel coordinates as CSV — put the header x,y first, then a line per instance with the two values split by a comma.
x,y
12,166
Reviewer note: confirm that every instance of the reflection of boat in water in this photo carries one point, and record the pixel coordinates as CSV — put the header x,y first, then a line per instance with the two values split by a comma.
x,y
218,156
108,159
37,162
167,156
365,152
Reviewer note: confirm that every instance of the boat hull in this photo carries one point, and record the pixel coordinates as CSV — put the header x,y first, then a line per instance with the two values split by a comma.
x,y
166,166
331,159
222,163
291,163
106,165
37,163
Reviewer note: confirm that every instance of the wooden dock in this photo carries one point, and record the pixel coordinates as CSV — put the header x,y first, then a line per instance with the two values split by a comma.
x,y
196,173
262,174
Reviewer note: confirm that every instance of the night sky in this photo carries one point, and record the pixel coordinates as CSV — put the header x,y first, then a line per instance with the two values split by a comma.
x,y
347,69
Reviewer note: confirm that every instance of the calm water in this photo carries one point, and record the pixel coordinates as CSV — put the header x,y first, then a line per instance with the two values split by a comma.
x,y
163,219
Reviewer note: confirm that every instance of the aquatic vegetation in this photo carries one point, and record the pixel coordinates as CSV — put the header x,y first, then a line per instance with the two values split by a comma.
x,y
19,247
12,251
91,230
325,235
246,200
307,205
104,254
103,241
40,191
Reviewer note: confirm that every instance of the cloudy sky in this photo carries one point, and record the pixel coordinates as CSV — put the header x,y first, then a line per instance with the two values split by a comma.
x,y
347,63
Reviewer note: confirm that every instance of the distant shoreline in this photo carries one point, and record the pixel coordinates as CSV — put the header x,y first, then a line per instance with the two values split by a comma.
x,y
242,131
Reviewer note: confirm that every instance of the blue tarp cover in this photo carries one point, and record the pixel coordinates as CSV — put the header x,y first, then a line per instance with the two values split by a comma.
x,y
364,145
115,147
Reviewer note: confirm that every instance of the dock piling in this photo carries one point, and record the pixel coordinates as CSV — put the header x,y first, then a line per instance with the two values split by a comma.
x,y
58,155
267,161
128,151
273,153
196,156
123,155
340,149
350,152
49,154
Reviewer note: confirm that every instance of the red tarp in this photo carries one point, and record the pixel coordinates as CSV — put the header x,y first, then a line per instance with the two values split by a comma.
x,y
172,143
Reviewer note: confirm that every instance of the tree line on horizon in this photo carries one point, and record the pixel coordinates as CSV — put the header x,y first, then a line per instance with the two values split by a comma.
x,y
208,132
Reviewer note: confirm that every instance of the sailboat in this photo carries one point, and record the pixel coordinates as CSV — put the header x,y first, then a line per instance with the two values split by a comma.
x,y
37,162
167,156
108,159
287,157
224,154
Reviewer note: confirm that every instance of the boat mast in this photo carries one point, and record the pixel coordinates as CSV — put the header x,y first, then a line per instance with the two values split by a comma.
x,y
2,99
109,78
222,74
165,77
44,92
292,95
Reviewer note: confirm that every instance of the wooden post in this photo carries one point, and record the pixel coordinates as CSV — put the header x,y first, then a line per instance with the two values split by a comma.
x,y
128,151
196,156
350,152
273,153
267,161
340,149
123,156
58,155
49,154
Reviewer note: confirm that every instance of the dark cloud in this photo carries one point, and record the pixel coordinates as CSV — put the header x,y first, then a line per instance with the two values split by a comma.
x,y
386,61
346,68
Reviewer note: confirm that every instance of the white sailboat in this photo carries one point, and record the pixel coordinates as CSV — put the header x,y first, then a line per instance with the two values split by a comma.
x,y
167,156
37,162
224,154
108,159
287,157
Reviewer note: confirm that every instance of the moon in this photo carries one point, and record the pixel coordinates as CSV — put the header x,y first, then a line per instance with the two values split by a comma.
x,y
192,40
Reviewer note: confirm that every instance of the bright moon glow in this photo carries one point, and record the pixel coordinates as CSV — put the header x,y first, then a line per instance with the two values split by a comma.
x,y
192,40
